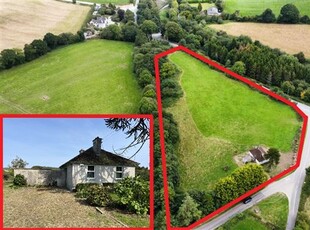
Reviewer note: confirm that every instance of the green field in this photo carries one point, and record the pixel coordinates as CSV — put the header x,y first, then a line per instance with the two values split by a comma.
x,y
116,2
271,211
91,77
256,7
219,118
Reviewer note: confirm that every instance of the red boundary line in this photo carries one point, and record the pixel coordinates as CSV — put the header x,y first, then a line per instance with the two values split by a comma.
x,y
162,140
146,116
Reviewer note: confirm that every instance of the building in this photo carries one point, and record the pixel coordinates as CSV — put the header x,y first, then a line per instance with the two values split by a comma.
x,y
93,165
213,11
256,155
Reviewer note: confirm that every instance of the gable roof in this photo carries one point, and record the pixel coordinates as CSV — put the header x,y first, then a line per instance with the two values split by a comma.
x,y
89,157
258,154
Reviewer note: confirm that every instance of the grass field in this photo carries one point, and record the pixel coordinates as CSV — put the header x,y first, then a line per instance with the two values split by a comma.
x,y
256,7
204,5
91,77
23,21
289,38
219,118
273,210
52,207
116,2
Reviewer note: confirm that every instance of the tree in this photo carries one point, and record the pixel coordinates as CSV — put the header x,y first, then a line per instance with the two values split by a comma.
x,y
129,16
132,127
288,87
141,38
226,190
168,70
121,14
188,212
129,31
35,49
204,200
11,57
199,7
149,27
289,14
301,57
239,68
273,155
111,32
50,40
267,16
174,31
306,95
145,78
305,19
220,5
148,105
18,163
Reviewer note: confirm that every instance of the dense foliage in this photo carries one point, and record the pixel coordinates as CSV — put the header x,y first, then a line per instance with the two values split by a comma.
x,y
303,220
19,180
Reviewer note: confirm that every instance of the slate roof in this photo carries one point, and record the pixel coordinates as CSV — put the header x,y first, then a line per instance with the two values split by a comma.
x,y
89,157
258,154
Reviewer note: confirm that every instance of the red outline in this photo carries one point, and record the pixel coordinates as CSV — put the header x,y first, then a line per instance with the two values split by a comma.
x,y
150,117
162,141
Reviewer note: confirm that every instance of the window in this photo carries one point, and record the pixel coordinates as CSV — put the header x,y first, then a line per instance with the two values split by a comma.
x,y
119,172
91,172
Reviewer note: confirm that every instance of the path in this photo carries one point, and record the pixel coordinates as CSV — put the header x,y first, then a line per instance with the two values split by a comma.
x,y
291,185
13,105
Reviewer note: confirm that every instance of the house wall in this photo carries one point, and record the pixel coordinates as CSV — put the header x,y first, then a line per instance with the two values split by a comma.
x,y
103,174
69,177
43,177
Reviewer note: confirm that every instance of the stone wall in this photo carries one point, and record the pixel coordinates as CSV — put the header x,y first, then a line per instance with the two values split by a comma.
x,y
43,177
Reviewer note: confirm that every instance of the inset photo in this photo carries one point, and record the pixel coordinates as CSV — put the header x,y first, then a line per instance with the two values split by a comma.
x,y
77,171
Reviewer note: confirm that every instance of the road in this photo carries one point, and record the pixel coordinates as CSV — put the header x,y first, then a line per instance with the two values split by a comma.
x,y
291,185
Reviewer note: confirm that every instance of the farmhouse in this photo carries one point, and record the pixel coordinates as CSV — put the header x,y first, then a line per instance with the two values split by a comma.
x,y
93,165
257,155
213,11
99,22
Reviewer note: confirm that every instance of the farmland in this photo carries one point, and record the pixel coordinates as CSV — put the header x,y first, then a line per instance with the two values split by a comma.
x,y
253,7
91,77
289,38
272,211
23,21
219,118
53,207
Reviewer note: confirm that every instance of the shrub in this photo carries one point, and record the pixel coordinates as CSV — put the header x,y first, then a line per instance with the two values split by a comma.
x,y
98,195
19,180
82,190
134,194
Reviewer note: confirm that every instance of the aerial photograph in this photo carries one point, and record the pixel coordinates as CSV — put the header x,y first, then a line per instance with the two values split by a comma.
x,y
226,82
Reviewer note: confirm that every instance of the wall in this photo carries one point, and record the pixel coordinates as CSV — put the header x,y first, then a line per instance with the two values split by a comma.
x,y
103,174
43,177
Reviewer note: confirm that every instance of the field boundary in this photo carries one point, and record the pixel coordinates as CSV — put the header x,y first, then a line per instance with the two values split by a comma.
x,y
162,140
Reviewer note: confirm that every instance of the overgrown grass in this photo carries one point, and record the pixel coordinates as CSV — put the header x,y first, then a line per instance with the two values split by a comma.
x,y
219,118
91,77
254,7
267,214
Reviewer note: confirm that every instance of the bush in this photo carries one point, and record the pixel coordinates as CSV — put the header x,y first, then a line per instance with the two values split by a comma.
x,y
98,195
82,190
19,180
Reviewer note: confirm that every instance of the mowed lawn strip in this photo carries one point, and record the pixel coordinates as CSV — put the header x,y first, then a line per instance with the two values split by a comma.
x,y
273,210
254,7
221,117
91,77
116,2
289,38
54,207
23,21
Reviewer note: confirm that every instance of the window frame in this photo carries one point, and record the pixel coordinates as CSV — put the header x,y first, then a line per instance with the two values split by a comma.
x,y
119,172
90,171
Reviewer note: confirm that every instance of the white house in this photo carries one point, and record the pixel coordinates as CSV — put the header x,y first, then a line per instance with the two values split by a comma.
x,y
96,165
99,22
213,11
256,155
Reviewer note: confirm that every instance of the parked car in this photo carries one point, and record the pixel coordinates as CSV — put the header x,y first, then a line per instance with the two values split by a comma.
x,y
247,200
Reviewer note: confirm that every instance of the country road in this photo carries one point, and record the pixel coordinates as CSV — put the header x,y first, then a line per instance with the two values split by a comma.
x,y
290,185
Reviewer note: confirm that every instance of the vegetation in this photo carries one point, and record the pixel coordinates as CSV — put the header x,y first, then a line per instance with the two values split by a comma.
x,y
18,163
68,85
273,155
117,2
270,213
251,8
19,180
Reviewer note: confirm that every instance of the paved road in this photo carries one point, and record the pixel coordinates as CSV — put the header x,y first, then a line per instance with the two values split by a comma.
x,y
290,185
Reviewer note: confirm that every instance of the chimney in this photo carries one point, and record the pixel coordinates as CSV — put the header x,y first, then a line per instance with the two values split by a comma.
x,y
97,145
81,151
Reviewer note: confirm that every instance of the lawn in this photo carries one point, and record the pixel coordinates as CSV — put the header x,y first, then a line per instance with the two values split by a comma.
x,y
116,2
53,207
272,211
204,5
256,7
91,77
289,38
23,21
219,118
